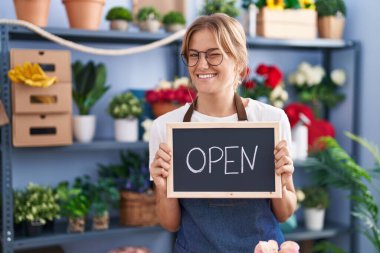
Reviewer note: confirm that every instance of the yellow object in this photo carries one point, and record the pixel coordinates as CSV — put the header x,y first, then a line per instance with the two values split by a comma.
x,y
276,4
31,75
307,4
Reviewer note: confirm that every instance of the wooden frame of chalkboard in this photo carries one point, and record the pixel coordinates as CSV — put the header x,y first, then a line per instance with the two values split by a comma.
x,y
193,145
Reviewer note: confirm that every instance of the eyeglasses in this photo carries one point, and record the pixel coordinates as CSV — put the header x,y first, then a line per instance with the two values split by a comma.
x,y
213,56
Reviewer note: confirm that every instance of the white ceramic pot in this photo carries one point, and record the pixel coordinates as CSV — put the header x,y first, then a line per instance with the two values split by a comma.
x,y
314,218
174,28
119,25
84,128
151,26
126,130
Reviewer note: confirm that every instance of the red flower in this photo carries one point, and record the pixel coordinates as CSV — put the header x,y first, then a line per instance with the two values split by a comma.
x,y
250,84
320,128
262,69
274,77
293,111
151,96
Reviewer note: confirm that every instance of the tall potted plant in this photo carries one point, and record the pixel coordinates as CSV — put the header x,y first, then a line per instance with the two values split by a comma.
x,y
331,18
125,109
315,203
84,14
88,87
33,11
149,19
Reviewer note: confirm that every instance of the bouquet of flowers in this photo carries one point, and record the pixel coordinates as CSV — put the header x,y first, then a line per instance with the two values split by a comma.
x,y
271,246
168,96
286,4
313,86
267,86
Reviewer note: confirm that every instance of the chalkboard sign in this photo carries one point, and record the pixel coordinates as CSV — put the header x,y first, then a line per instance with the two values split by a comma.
x,y
223,160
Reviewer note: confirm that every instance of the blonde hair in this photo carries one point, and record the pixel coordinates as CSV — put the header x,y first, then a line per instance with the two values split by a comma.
x,y
229,35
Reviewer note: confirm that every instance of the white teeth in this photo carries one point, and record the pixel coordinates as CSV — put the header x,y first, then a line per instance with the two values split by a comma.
x,y
206,76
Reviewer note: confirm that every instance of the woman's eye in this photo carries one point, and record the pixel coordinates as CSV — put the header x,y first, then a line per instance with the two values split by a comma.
x,y
194,55
213,55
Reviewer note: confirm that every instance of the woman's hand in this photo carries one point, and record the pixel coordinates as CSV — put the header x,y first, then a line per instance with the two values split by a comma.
x,y
159,169
283,163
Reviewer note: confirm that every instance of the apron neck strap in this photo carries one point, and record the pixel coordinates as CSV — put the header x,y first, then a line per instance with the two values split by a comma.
x,y
242,115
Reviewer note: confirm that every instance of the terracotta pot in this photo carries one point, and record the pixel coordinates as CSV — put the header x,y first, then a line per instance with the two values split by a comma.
x,y
84,14
331,27
33,11
161,108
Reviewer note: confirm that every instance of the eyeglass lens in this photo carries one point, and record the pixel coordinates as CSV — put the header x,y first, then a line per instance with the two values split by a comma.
x,y
213,57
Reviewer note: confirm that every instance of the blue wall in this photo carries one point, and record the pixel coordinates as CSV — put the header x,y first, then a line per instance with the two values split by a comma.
x,y
145,70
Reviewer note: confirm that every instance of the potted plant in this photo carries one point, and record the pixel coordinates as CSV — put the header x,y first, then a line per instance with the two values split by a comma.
x,y
103,194
315,203
33,11
84,14
35,206
220,6
88,87
168,96
119,18
174,21
331,18
149,19
125,109
75,206
137,200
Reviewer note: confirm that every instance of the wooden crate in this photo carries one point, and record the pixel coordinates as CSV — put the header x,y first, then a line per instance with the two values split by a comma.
x,y
287,24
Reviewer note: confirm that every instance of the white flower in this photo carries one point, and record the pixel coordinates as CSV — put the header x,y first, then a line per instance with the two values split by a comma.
x,y
276,92
299,78
146,124
145,136
284,95
278,103
304,67
164,85
338,76
181,81
319,70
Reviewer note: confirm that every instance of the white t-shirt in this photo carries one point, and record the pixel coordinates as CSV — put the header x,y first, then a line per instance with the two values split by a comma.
x,y
256,112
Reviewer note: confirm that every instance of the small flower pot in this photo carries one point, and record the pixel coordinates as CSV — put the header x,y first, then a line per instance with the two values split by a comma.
x,y
331,27
100,222
119,25
126,130
33,11
76,225
314,218
161,108
34,228
84,14
151,26
84,128
174,28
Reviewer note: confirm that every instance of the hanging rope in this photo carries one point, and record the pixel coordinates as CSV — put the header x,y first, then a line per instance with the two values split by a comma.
x,y
93,50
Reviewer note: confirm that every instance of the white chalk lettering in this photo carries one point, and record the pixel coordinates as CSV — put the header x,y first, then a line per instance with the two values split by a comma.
x,y
210,156
251,165
188,164
228,161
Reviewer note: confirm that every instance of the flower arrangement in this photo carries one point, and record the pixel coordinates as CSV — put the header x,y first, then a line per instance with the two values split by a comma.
x,y
286,4
31,74
315,87
271,246
170,94
124,106
131,175
266,86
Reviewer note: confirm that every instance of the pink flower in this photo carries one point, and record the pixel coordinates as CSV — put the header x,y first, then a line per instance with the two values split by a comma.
x,y
289,247
272,247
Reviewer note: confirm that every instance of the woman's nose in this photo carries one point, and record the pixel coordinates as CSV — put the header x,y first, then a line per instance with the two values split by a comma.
x,y
203,63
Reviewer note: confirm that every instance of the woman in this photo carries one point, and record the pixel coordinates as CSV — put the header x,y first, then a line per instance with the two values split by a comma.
x,y
214,49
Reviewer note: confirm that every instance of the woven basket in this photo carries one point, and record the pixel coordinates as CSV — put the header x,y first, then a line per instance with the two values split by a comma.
x,y
137,209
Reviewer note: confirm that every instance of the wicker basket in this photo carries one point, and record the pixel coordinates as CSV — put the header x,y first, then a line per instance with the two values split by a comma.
x,y
137,209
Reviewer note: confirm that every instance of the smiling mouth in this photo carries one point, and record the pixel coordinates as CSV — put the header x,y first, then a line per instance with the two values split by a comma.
x,y
206,76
